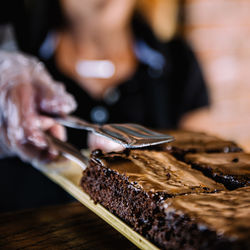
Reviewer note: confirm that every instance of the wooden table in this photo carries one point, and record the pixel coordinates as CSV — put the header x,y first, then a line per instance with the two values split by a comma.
x,y
70,226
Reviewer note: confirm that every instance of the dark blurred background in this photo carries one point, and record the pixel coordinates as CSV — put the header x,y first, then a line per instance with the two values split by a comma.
x,y
219,32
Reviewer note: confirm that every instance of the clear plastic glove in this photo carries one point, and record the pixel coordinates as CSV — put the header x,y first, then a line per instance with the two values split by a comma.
x,y
103,143
27,91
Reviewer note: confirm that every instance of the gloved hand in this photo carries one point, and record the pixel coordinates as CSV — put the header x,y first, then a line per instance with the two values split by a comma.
x,y
26,91
103,143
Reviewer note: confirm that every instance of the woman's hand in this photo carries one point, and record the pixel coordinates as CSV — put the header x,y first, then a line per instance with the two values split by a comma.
x,y
26,92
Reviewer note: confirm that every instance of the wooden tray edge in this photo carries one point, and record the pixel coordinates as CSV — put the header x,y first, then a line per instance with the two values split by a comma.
x,y
99,210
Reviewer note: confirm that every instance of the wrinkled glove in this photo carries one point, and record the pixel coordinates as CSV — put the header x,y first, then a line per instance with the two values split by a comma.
x,y
103,143
26,92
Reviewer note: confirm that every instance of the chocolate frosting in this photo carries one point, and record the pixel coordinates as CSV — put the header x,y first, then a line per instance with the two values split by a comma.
x,y
227,212
237,164
189,141
155,171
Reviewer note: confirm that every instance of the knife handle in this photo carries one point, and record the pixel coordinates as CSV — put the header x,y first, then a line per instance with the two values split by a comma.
x,y
68,151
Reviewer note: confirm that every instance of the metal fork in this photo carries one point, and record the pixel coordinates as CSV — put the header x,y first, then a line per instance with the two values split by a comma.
x,y
129,135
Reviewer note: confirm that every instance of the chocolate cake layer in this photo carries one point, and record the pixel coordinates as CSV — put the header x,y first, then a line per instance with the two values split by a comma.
x,y
232,169
132,185
204,221
155,171
197,142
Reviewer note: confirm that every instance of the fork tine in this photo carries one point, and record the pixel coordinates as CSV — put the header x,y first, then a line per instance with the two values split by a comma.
x,y
136,136
146,130
108,130
139,131
131,132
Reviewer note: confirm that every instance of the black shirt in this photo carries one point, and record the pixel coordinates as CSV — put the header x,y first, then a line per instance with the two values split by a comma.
x,y
157,95
167,83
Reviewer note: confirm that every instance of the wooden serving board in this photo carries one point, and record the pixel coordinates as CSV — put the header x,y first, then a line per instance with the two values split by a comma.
x,y
67,174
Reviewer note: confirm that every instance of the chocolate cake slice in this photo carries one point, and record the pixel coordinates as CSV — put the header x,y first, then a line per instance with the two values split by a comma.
x,y
197,142
133,184
232,169
204,221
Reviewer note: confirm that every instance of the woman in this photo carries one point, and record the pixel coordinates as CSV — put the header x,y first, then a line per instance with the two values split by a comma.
x,y
108,59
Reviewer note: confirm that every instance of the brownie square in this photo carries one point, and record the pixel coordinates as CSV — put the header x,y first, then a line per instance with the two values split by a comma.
x,y
204,221
133,184
232,169
197,142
